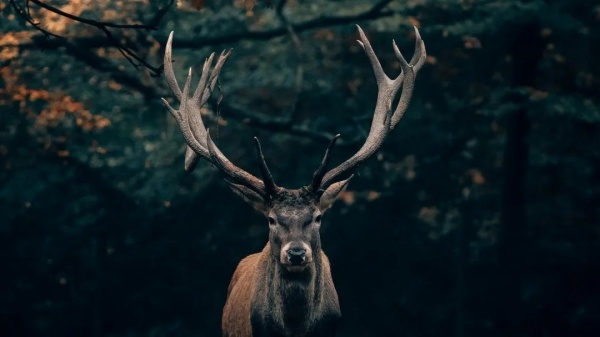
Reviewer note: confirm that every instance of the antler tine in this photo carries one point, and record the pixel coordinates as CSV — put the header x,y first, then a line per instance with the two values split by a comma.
x,y
408,75
270,186
169,72
193,145
197,137
181,116
418,59
200,89
380,75
191,158
217,70
196,123
202,93
408,85
383,118
420,54
208,86
320,172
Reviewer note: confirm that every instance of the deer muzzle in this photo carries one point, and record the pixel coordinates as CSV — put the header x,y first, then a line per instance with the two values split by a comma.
x,y
296,256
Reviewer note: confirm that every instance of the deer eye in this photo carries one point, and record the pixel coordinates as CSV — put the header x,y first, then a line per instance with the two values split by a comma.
x,y
271,221
318,218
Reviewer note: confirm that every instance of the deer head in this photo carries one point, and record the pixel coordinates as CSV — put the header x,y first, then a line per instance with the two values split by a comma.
x,y
294,215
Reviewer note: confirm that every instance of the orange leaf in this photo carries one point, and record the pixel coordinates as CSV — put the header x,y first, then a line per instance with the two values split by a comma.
x,y
347,197
471,42
249,4
114,85
477,177
373,195
198,4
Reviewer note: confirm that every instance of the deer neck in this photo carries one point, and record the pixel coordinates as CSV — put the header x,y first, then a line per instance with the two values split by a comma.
x,y
296,297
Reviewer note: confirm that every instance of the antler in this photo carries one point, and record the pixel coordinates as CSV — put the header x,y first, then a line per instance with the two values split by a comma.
x,y
384,119
197,137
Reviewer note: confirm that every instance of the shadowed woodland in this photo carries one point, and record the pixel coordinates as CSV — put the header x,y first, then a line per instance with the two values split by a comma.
x,y
479,216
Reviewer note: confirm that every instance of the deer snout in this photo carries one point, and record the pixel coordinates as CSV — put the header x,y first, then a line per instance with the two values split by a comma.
x,y
296,256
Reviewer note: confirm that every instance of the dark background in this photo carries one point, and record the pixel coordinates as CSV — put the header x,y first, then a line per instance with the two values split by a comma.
x,y
478,217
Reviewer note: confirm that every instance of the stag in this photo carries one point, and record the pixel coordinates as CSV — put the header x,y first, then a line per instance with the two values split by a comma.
x,y
287,288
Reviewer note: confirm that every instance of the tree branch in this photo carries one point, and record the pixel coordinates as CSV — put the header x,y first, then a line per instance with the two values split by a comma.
x,y
374,12
241,116
26,15
80,49
104,65
103,26
284,125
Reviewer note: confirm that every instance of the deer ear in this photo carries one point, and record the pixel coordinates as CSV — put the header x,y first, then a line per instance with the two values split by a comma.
x,y
251,197
331,194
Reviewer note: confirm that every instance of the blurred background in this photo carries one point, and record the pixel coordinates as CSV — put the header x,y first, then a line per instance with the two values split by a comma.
x,y
480,215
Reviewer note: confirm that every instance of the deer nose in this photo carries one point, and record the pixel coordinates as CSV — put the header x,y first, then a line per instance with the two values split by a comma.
x,y
296,256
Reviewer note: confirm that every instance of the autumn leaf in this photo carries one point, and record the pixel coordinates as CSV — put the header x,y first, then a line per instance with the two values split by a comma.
x,y
373,195
114,85
57,23
477,177
249,4
198,4
10,44
51,112
348,197
414,21
537,95
429,215
471,42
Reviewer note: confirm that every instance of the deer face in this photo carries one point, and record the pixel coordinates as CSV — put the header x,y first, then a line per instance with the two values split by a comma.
x,y
294,224
294,218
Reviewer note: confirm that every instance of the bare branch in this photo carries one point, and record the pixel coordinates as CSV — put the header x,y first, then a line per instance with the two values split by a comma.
x,y
375,12
26,15
82,49
285,126
103,26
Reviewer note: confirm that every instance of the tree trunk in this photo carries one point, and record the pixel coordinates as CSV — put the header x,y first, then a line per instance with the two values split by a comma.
x,y
526,50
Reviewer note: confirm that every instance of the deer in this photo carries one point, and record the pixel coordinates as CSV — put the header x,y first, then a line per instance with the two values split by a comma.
x,y
287,290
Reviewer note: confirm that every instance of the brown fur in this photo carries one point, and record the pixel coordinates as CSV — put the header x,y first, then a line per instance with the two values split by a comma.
x,y
294,308
236,313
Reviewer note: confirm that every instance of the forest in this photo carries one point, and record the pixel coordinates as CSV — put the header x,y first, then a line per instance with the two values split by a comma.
x,y
479,215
